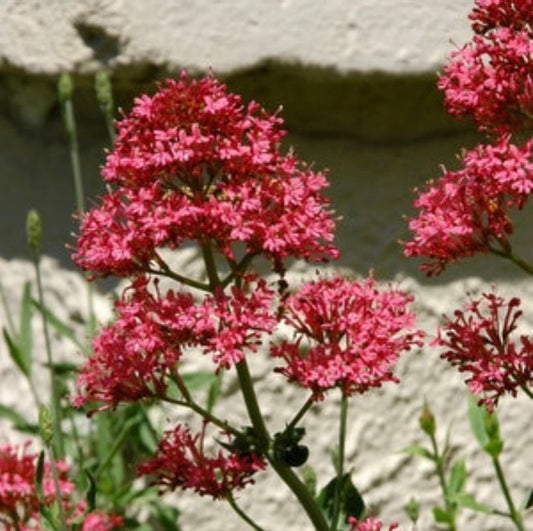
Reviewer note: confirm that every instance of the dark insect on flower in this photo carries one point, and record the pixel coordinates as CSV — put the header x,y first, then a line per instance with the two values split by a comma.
x,y
295,455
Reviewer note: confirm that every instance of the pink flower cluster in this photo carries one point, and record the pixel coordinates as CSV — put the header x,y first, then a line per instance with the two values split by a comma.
x,y
478,341
369,524
491,77
193,164
180,461
136,355
467,211
19,503
347,334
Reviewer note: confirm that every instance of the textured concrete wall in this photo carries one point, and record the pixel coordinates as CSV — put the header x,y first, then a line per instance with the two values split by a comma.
x,y
357,83
48,36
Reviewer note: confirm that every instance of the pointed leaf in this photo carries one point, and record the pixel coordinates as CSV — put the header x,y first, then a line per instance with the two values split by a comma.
x,y
198,379
477,416
26,339
16,353
19,422
7,311
441,516
528,501
61,368
214,392
418,450
352,501
468,501
60,326
90,496
39,471
457,477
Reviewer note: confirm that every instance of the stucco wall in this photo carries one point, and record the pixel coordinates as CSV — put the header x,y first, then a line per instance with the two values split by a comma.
x,y
393,35
357,84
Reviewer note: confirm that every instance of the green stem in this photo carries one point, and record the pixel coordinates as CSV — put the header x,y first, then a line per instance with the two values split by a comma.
x,y
509,255
303,410
69,120
57,488
514,514
165,271
527,391
236,269
72,133
340,463
294,483
241,513
442,481
222,424
54,389
210,265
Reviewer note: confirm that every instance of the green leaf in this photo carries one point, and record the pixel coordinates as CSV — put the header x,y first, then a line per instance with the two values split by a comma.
x,y
466,500
418,450
352,501
457,477
164,515
16,353
528,501
39,471
7,311
443,517
60,326
147,437
494,448
214,392
26,338
477,415
19,422
62,367
90,496
197,380
309,479
413,510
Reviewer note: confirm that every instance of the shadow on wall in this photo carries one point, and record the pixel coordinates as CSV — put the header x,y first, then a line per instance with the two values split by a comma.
x,y
379,135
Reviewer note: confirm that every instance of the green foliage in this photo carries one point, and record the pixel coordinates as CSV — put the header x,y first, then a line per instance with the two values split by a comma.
x,y
352,503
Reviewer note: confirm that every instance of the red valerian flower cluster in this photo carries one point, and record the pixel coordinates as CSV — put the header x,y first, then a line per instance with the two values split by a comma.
x,y
478,341
180,461
467,211
491,77
193,164
136,355
369,524
19,503
347,334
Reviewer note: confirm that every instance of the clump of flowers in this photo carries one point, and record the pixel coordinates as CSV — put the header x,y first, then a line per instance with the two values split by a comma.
x,y
347,334
479,340
193,166
20,502
491,77
468,211
181,462
369,524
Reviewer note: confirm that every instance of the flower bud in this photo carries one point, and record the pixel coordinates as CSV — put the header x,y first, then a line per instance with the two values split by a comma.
x,y
104,93
427,421
34,230
45,425
65,88
413,510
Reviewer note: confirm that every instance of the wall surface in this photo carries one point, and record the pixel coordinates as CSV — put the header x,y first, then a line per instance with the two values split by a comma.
x,y
357,84
50,36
